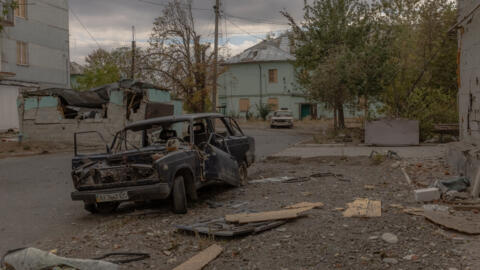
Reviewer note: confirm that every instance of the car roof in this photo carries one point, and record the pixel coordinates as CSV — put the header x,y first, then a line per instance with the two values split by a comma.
x,y
146,124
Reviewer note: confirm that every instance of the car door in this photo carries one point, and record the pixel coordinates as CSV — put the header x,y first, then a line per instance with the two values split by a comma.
x,y
237,142
219,163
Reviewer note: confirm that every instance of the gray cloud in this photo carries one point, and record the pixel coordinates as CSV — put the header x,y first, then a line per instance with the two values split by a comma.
x,y
110,21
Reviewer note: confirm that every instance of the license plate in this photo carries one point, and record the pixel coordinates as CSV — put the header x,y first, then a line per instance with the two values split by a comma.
x,y
112,197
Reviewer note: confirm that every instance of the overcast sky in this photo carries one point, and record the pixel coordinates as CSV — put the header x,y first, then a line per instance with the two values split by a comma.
x,y
244,22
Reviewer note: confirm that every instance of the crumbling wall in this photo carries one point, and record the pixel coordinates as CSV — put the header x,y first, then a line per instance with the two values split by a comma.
x,y
43,118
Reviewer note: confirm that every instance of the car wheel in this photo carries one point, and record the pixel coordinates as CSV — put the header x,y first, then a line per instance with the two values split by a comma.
x,y
272,126
243,171
179,197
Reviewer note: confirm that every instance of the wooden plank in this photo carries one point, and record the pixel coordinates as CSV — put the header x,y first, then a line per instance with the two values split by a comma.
x,y
200,260
363,208
266,216
470,225
305,204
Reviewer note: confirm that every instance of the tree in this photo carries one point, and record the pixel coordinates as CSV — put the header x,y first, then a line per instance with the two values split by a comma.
x,y
424,59
336,45
103,67
179,57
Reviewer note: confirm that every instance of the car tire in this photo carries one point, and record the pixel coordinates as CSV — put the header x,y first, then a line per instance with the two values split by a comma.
x,y
272,126
243,171
179,196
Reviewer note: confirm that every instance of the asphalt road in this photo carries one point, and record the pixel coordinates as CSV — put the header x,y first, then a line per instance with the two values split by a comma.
x,y
35,191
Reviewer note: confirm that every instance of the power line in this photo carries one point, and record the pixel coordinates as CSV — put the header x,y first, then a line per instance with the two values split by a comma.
x,y
239,28
84,27
166,5
254,20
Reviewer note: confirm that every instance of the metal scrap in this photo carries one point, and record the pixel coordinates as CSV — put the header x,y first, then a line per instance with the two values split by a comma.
x,y
221,228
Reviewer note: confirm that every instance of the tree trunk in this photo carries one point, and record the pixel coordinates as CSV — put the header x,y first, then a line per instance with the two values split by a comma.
x,y
365,111
341,117
335,119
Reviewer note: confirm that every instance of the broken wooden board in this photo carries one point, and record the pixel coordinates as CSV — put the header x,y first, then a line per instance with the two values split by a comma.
x,y
266,216
363,208
468,225
200,260
305,204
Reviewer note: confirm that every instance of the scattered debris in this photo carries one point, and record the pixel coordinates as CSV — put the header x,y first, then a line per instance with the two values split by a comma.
x,y
390,238
272,180
414,211
36,259
459,185
427,194
200,260
305,204
363,208
390,260
369,187
468,225
398,206
407,178
435,207
290,179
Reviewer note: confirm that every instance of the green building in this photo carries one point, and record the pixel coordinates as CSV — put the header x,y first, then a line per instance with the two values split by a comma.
x,y
263,74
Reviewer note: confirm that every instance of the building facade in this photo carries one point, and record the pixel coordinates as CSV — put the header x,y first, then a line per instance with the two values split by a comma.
x,y
263,74
34,46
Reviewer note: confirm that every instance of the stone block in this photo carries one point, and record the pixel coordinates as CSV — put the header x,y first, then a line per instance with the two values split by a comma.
x,y
427,194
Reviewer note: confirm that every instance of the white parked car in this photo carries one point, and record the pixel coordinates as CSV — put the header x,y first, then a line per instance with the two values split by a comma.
x,y
281,118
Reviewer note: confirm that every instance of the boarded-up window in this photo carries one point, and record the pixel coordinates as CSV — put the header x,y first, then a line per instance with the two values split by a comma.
x,y
273,103
272,75
21,9
22,53
244,104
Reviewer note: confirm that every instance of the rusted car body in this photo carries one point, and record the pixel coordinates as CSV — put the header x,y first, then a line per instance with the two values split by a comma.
x,y
160,158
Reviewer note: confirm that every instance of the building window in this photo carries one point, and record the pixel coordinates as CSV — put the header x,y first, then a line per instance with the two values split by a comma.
x,y
21,10
244,104
273,104
273,76
22,53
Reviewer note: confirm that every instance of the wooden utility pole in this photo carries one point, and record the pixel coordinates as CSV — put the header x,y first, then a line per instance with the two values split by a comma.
x,y
216,8
134,45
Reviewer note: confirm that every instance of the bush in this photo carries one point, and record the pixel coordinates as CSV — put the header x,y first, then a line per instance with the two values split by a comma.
x,y
264,110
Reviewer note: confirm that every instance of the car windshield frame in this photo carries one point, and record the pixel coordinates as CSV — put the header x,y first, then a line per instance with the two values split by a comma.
x,y
122,134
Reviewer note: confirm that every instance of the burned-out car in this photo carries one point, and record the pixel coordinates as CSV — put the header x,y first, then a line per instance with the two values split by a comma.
x,y
160,158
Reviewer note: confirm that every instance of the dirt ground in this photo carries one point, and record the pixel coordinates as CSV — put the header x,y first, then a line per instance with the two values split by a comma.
x,y
322,240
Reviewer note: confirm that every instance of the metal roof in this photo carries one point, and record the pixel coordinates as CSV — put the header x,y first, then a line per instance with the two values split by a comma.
x,y
277,49
146,124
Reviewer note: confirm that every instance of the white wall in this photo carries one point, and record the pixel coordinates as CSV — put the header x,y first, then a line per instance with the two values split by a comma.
x,y
8,107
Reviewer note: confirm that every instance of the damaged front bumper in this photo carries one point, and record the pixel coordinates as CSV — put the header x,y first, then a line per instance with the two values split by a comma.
x,y
134,193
